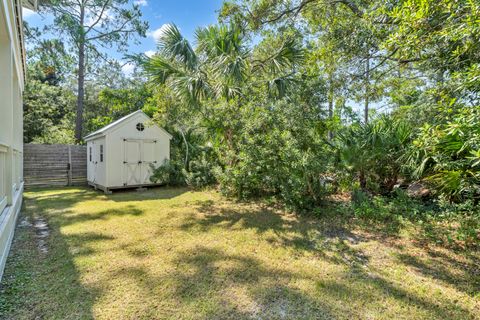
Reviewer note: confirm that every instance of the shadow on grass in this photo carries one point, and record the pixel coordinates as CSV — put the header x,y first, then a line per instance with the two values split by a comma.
x,y
40,285
205,280
72,195
151,193
69,196
331,239
206,277
69,218
208,280
463,275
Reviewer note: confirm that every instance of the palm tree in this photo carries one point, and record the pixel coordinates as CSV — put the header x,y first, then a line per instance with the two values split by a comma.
x,y
373,151
220,70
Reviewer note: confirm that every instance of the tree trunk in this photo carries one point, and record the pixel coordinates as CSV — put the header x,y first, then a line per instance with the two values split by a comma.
x,y
186,148
362,181
81,82
367,88
330,101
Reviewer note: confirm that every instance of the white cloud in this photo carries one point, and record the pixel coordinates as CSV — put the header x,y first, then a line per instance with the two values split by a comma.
x,y
128,68
149,53
157,33
143,3
91,17
27,13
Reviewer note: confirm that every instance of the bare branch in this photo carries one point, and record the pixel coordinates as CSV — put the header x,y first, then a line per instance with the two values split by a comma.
x,y
297,9
118,30
99,17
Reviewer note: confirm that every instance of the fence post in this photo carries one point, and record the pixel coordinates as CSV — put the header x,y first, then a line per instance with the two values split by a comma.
x,y
70,170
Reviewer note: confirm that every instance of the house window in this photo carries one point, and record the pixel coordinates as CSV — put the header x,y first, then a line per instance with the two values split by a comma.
x,y
101,153
90,155
140,126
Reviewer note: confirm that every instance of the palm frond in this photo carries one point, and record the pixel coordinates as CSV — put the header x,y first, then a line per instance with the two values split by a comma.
x,y
286,57
191,88
278,87
172,44
160,69
218,40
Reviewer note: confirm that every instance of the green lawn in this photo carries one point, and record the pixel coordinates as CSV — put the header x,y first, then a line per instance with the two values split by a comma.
x,y
180,254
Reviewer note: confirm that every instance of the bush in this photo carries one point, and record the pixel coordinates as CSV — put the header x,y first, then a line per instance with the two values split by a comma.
x,y
280,154
373,153
440,221
448,156
169,173
453,222
200,174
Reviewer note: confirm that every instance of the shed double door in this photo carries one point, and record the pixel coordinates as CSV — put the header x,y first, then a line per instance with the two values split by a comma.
x,y
139,157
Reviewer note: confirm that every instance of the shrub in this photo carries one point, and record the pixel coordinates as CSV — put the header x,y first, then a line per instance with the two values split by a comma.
x,y
279,156
440,221
373,153
448,156
200,173
169,173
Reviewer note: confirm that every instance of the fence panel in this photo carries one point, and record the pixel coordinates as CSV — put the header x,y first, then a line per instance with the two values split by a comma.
x,y
54,165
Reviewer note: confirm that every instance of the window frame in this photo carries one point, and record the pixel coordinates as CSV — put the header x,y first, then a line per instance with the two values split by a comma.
x,y
140,126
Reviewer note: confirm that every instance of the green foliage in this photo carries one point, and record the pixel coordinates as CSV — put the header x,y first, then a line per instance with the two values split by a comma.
x,y
113,103
442,222
200,173
48,112
373,152
173,173
49,61
169,173
447,155
281,153
259,142
454,222
220,67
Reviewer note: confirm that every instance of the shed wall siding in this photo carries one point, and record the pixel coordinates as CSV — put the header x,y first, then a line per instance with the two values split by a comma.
x,y
113,172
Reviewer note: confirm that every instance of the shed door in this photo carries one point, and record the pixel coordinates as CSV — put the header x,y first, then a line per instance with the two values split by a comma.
x,y
132,169
92,163
148,159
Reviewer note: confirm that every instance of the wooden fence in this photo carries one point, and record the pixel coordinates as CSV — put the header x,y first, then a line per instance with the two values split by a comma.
x,y
54,165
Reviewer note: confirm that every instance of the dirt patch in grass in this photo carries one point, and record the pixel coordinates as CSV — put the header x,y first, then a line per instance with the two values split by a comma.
x,y
171,253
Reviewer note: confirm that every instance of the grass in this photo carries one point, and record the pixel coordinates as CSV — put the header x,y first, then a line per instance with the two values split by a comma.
x,y
179,254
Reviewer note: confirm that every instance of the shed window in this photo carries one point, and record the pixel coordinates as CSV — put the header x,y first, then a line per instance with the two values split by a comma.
x,y
101,153
140,126
90,155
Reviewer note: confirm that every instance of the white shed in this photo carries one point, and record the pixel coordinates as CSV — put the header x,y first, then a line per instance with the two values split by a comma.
x,y
120,155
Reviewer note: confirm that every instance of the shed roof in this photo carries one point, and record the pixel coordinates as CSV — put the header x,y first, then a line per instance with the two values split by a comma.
x,y
110,126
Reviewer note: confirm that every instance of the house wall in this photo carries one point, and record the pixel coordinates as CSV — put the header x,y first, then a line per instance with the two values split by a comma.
x,y
11,123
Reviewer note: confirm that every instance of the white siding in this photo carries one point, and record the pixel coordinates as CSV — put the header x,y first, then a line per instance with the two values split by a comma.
x,y
11,124
96,168
114,172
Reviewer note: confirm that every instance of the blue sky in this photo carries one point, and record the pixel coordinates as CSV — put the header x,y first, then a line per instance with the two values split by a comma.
x,y
186,14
